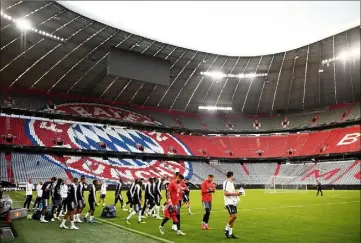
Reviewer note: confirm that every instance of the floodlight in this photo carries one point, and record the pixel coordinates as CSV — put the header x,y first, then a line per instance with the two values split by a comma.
x,y
23,24
344,56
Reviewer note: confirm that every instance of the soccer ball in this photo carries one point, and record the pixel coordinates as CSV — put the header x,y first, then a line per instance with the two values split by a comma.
x,y
30,216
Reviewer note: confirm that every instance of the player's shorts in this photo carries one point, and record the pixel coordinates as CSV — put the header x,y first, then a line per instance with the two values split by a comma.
x,y
80,204
45,203
173,214
70,206
185,198
137,207
92,205
232,209
207,205
56,202
102,196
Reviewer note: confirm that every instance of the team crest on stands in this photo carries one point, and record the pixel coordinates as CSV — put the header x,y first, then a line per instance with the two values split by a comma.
x,y
79,135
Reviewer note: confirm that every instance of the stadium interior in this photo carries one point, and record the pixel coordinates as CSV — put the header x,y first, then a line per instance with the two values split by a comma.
x,y
280,122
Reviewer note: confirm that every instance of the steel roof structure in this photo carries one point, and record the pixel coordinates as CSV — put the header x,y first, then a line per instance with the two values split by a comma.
x,y
296,80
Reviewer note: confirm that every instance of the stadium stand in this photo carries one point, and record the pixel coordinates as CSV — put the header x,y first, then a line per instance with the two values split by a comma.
x,y
332,114
329,173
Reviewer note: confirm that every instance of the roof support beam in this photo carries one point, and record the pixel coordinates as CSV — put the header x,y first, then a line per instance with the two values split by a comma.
x,y
95,64
250,85
350,69
37,27
210,86
278,80
305,80
239,80
225,82
56,64
291,82
264,83
81,60
31,47
186,82
200,81
334,67
29,14
175,79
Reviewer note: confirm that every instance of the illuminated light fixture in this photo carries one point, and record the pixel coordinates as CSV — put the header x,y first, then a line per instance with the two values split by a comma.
x,y
215,108
23,24
320,70
219,75
343,56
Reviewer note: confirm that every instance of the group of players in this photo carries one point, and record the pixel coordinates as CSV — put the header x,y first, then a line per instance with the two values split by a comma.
x,y
69,198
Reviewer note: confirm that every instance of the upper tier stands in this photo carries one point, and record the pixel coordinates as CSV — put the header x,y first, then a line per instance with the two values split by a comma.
x,y
20,167
230,122
34,132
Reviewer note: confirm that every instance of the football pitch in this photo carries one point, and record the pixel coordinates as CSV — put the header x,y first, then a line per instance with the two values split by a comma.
x,y
284,217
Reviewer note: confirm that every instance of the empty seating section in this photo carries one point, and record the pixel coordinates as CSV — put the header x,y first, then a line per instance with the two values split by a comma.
x,y
25,166
214,122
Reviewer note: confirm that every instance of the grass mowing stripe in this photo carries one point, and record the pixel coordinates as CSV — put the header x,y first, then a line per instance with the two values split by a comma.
x,y
135,231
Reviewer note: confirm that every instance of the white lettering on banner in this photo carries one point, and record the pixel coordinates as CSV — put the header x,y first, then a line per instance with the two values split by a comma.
x,y
131,117
80,110
117,173
115,113
142,174
349,139
99,111
49,126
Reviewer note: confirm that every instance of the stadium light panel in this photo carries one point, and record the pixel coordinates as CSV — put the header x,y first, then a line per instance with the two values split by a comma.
x,y
219,75
215,108
23,24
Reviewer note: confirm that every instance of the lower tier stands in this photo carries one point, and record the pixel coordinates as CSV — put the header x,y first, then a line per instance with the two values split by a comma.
x,y
19,168
42,132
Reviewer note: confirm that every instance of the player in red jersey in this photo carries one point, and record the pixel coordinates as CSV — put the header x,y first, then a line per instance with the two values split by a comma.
x,y
172,210
207,188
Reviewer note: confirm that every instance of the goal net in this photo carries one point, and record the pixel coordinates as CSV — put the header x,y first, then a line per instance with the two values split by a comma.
x,y
285,184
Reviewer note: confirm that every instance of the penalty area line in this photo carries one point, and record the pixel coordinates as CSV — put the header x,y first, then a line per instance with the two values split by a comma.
x,y
135,231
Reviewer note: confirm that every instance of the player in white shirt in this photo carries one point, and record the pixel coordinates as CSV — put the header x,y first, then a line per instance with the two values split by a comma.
x,y
29,194
103,192
39,193
64,195
231,198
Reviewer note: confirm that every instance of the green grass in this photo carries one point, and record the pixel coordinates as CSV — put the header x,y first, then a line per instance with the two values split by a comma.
x,y
291,217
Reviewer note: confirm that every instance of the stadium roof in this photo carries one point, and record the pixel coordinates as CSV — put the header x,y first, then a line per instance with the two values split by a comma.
x,y
316,75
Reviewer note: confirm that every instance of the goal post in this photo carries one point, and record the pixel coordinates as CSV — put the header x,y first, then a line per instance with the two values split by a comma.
x,y
285,184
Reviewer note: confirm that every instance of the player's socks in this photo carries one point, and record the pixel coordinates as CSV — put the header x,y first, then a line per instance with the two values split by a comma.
x,y
230,231
130,215
73,225
91,218
86,215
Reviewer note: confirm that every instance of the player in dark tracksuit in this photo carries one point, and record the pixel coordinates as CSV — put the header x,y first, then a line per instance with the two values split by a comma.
x,y
47,188
136,201
158,196
319,188
130,193
55,210
81,200
186,194
118,194
71,205
149,197
91,201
